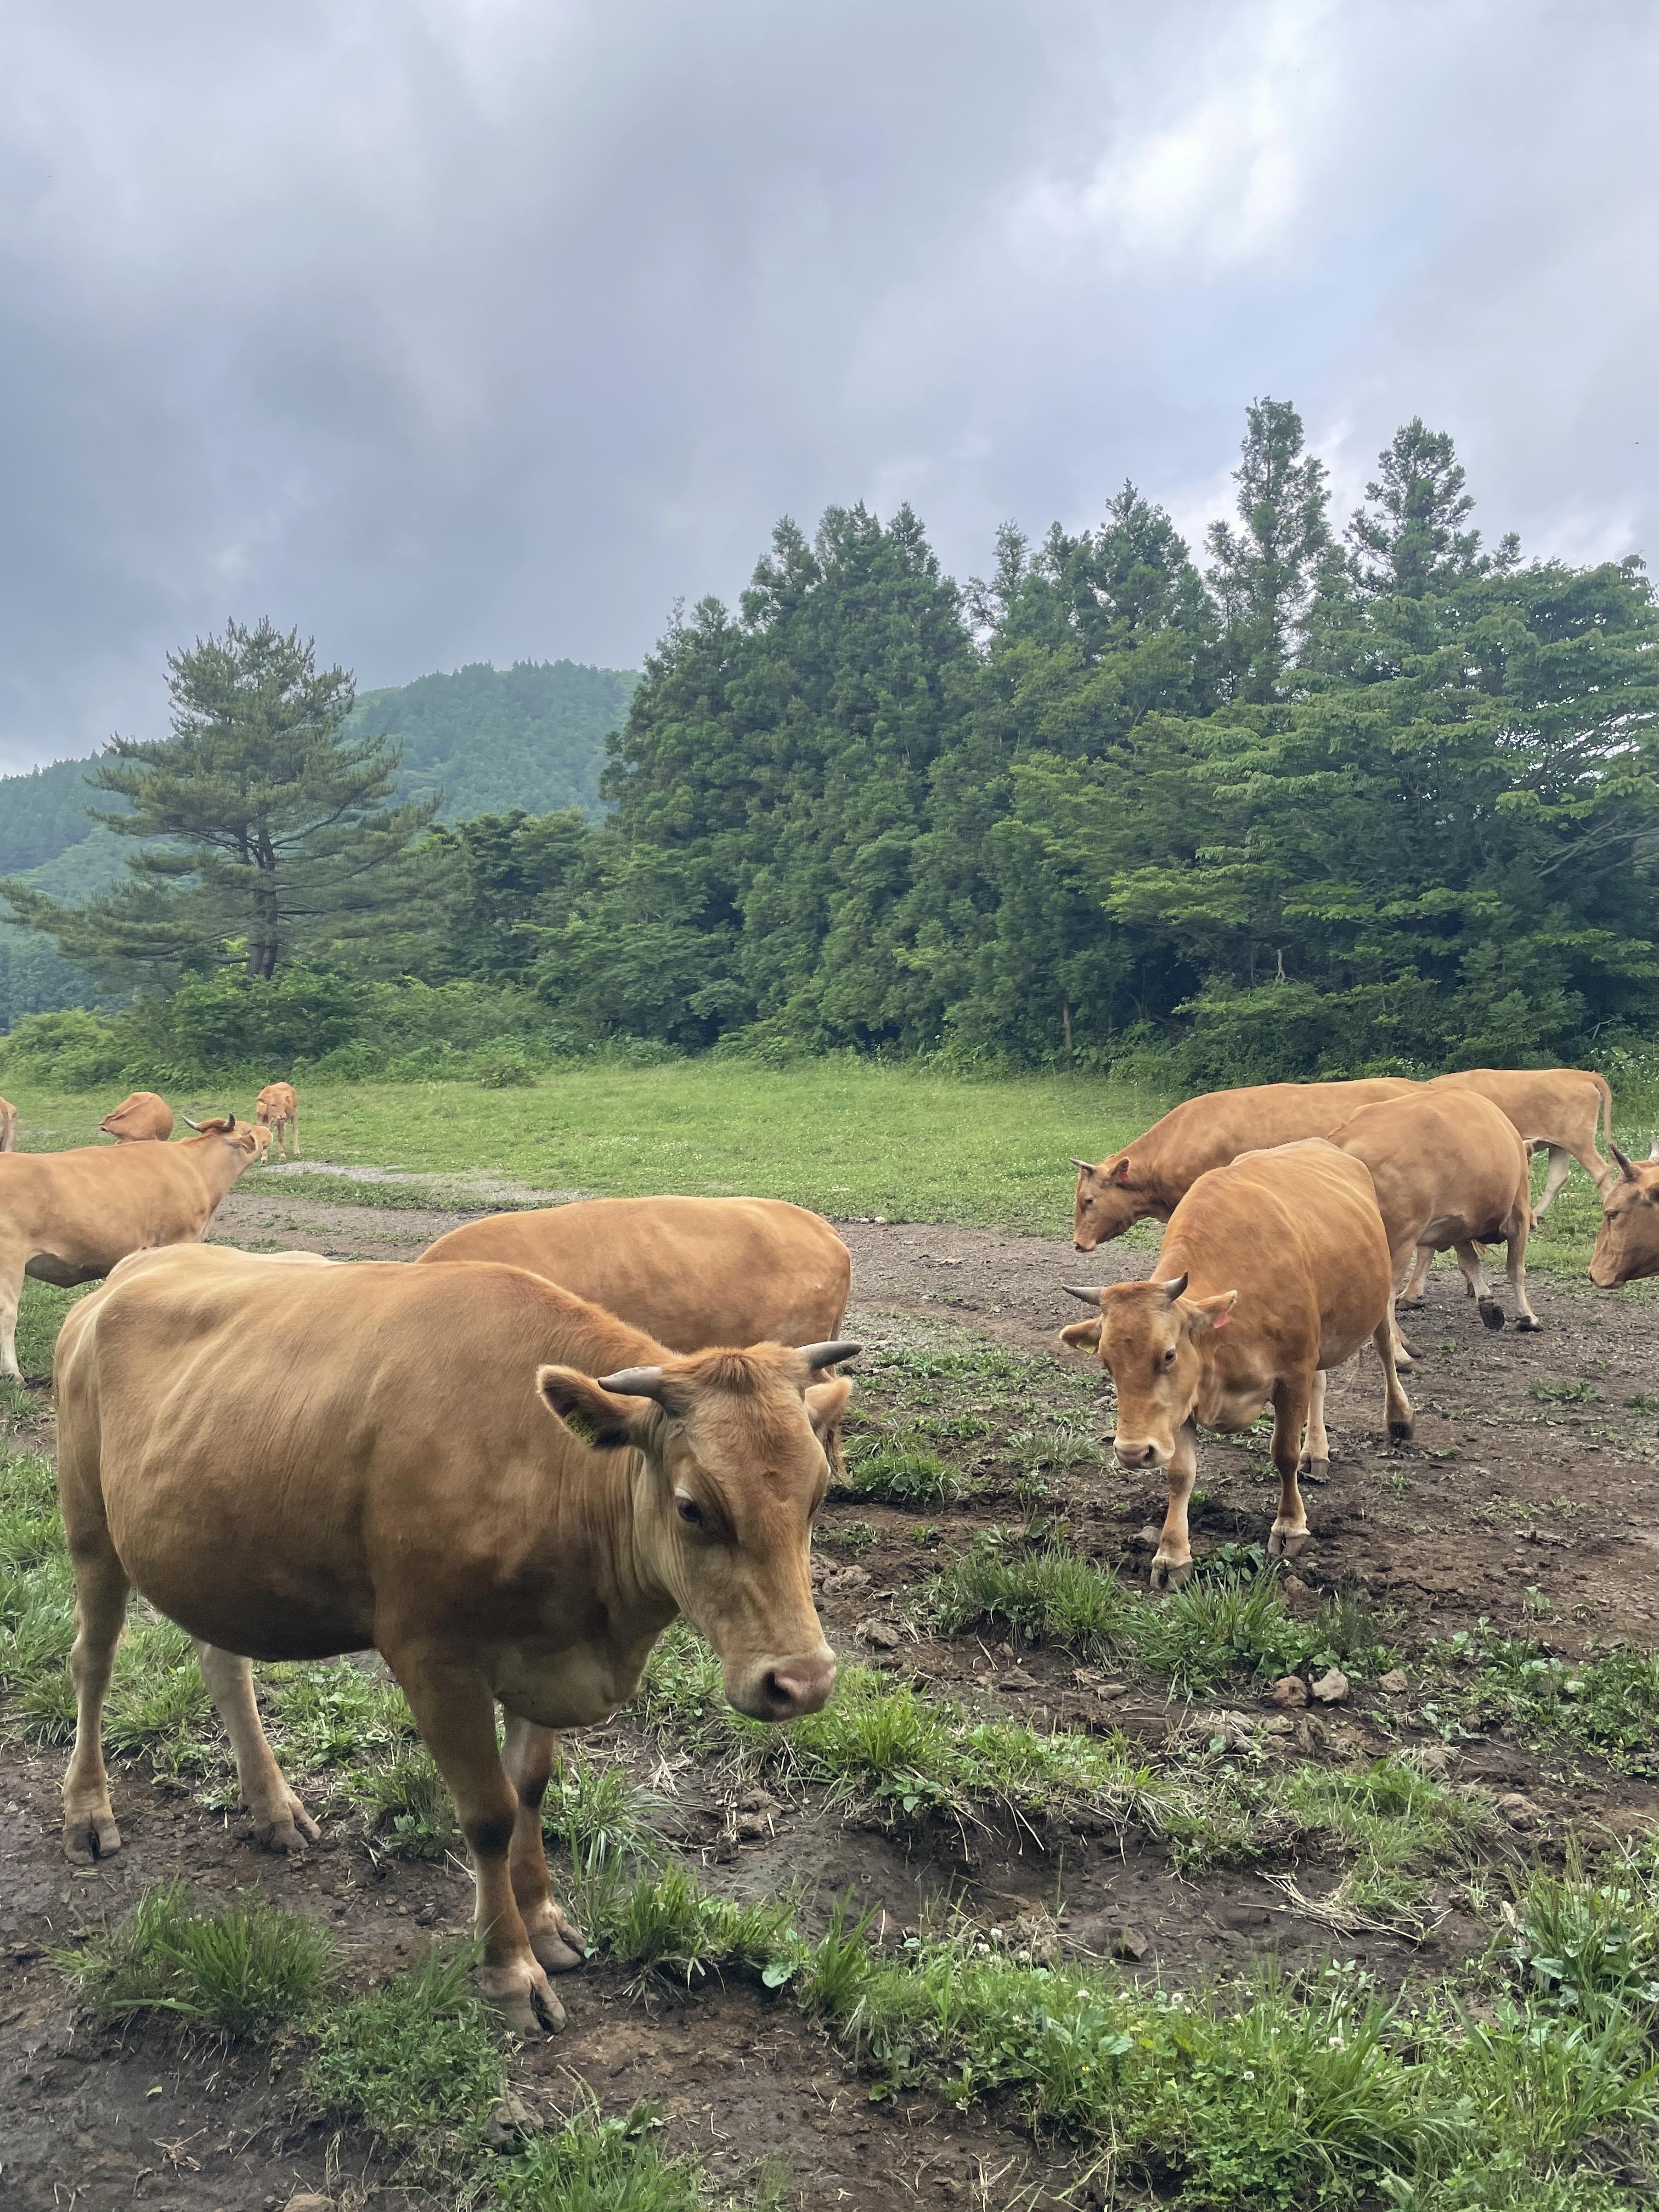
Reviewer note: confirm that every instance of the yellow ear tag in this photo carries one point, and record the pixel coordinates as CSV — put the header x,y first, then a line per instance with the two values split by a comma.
x,y
584,1426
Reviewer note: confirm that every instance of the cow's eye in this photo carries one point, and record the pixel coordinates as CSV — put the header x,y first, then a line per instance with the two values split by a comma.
x,y
1168,1357
690,1511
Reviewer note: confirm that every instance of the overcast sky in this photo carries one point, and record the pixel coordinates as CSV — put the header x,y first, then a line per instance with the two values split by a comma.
x,y
459,330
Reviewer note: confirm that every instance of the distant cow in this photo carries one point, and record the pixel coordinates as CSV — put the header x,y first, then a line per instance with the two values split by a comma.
x,y
693,1272
1556,1107
1451,1173
67,1217
277,1109
1628,1245
296,1461
142,1118
1155,1173
1271,1271
8,1126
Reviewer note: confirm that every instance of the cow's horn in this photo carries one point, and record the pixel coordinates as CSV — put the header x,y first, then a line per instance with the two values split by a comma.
x,y
1625,1168
634,1383
829,1355
1654,1152
189,1124
1086,1166
1076,1290
1174,1289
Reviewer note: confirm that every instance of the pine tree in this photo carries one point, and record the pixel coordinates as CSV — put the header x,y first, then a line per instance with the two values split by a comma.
x,y
264,827
1261,574
1407,537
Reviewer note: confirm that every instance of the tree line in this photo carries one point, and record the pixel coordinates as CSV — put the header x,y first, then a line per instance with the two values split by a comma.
x,y
1327,800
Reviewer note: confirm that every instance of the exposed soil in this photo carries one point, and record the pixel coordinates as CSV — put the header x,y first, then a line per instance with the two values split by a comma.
x,y
1528,1496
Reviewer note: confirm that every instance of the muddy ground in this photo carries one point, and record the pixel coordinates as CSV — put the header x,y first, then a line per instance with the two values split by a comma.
x,y
1528,1496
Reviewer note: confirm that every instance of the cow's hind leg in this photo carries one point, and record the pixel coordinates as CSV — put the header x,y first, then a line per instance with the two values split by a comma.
x,y
455,1711
1291,1401
100,1607
1556,1174
1516,1268
1469,1258
293,1127
1172,1562
11,1293
527,1755
1314,1463
281,1822
1397,1405
1412,1293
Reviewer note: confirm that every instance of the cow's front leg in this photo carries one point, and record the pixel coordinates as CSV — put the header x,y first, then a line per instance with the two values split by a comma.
x,y
1172,1563
528,1754
1314,1462
1412,1295
454,1709
11,1296
1291,1400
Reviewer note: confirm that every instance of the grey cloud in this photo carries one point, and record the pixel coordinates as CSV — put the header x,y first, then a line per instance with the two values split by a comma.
x,y
474,329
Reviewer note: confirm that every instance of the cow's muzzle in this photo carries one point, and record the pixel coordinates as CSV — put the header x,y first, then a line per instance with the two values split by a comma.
x,y
785,1689
1130,1451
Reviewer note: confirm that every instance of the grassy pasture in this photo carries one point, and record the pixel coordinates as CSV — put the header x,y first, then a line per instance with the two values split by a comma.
x,y
846,1137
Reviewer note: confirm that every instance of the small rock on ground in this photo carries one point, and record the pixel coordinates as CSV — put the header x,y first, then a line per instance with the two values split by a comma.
x,y
881,1633
1394,1684
1290,1692
1332,1688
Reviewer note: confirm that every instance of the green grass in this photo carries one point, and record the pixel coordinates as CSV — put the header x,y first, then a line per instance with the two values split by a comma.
x,y
1394,1822
1608,1705
1042,1594
247,1967
418,2062
593,2164
842,1135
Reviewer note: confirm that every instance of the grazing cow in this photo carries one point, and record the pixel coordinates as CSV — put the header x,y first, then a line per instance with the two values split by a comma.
x,y
142,1118
1628,1245
67,1217
1271,1270
1556,1107
690,1271
1450,1172
277,1109
1155,1173
295,1463
8,1126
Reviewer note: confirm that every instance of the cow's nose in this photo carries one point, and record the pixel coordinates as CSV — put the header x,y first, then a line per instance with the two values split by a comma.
x,y
790,1687
1130,1454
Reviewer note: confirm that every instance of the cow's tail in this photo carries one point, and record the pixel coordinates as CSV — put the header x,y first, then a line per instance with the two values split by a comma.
x,y
1605,1111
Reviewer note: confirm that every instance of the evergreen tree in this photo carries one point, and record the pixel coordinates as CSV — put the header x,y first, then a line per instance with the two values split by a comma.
x,y
264,826
1261,574
1407,537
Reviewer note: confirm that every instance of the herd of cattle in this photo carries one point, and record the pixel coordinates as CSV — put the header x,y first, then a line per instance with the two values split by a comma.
x,y
507,1467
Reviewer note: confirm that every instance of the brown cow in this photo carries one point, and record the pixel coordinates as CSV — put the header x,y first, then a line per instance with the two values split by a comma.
x,y
1271,1270
364,1457
277,1109
8,1126
142,1118
692,1271
1155,1173
1451,1172
1556,1107
1628,1247
67,1217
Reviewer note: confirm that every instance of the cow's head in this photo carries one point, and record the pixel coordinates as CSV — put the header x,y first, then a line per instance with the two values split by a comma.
x,y
1108,1201
1628,1245
1153,1341
734,1470
240,1141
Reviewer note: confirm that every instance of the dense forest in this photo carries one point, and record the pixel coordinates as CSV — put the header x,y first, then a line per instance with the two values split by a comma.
x,y
1323,800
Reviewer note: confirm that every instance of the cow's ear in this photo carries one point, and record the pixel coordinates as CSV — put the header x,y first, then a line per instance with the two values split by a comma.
x,y
1206,1315
1119,1171
596,1418
1082,1335
826,1404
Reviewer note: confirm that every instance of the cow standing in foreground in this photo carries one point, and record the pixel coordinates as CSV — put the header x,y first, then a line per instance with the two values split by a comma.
x,y
295,1461
67,1217
1451,1173
143,1118
1271,1271
1154,1174
1627,1246
8,1126
690,1271
277,1109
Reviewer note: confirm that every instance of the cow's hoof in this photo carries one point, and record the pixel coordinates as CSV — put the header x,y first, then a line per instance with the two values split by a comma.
x,y
1170,1574
1399,1433
1492,1313
90,1837
1529,1325
1410,1305
291,1829
524,1996
1285,1544
1313,1470
558,1944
